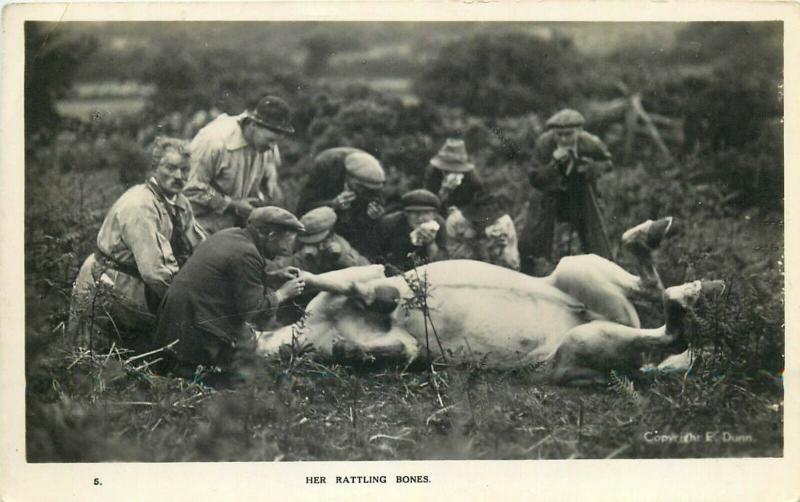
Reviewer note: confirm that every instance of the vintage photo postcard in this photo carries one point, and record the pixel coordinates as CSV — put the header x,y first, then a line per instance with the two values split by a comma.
x,y
415,251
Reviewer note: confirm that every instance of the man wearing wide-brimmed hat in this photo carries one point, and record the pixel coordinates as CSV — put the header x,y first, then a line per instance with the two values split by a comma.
x,y
483,230
567,162
351,182
414,234
452,176
223,286
235,163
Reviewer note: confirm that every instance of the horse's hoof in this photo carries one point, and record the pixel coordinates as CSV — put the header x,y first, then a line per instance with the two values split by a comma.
x,y
713,288
647,236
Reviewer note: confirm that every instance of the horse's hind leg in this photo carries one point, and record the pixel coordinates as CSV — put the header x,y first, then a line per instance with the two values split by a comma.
x,y
643,241
602,346
602,285
589,352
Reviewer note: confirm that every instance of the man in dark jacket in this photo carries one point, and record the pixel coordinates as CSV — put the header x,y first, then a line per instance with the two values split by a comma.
x,y
351,182
452,177
223,286
567,161
414,234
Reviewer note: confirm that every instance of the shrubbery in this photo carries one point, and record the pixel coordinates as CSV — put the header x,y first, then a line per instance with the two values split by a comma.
x,y
503,75
725,192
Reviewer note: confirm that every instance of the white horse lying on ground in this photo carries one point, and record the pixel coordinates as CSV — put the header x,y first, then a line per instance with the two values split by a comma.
x,y
578,322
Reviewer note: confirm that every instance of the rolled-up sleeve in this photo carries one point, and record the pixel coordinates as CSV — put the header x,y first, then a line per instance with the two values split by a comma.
x,y
151,249
205,161
271,180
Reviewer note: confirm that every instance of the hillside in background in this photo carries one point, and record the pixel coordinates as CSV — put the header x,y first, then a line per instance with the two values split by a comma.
x,y
370,49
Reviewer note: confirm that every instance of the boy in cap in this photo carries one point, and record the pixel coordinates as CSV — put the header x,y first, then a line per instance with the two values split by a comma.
x,y
414,233
235,163
482,230
147,235
567,161
318,250
452,176
351,182
224,286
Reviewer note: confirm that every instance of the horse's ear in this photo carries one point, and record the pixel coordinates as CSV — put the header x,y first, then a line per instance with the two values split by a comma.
x,y
391,271
362,291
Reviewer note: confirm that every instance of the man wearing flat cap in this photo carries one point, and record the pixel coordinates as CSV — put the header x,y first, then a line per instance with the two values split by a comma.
x,y
235,163
452,176
223,286
567,162
351,182
414,234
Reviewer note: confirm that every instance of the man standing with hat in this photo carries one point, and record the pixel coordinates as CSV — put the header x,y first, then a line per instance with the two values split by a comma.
x,y
351,182
235,163
567,162
224,286
482,230
452,176
415,233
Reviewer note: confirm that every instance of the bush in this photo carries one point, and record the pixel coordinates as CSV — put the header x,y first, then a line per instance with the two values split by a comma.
x,y
503,75
51,62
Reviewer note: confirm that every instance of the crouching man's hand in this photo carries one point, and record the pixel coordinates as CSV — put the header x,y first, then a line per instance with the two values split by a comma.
x,y
290,289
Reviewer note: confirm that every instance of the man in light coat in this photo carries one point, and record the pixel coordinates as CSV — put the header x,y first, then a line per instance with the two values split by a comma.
x,y
235,162
482,230
147,235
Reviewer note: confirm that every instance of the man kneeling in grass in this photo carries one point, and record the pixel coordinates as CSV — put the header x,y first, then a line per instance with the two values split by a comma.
x,y
147,235
222,288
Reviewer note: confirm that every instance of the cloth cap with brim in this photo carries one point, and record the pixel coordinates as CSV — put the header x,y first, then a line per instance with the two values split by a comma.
x,y
420,200
318,223
452,157
274,216
273,113
365,169
565,119
483,209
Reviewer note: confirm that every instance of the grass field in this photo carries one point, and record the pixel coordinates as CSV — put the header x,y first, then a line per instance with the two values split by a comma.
x,y
84,407
106,410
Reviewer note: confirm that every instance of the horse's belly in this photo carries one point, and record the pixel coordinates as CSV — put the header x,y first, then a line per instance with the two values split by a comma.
x,y
498,324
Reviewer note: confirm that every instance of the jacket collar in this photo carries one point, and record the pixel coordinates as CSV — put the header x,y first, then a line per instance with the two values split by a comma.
x,y
236,141
178,201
